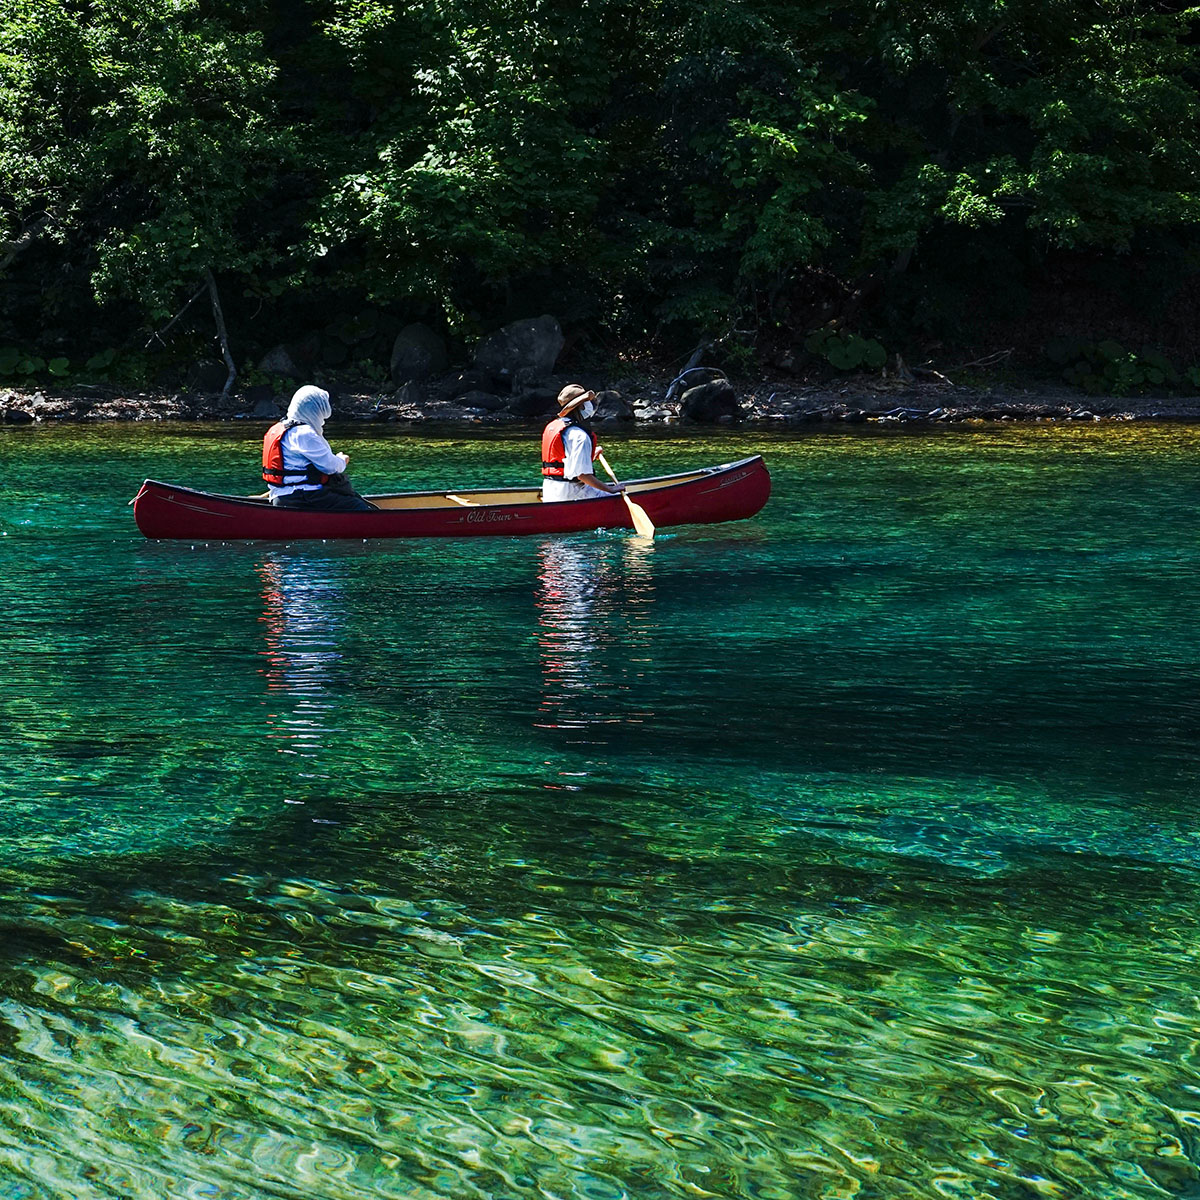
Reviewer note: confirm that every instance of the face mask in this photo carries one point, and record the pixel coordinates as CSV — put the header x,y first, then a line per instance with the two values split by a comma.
x,y
586,409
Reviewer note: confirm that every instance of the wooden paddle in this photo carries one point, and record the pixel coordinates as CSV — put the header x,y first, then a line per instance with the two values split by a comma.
x,y
641,519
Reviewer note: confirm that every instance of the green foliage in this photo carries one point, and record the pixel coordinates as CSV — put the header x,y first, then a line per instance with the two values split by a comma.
x,y
1108,369
846,351
1078,121
707,309
25,367
16,363
372,371
140,133
251,376
100,363
356,328
675,165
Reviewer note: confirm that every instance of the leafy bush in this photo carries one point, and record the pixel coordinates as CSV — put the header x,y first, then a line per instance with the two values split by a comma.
x,y
97,366
17,362
846,351
1108,369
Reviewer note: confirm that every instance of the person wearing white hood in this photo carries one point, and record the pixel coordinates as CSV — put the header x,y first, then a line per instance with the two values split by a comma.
x,y
570,450
299,465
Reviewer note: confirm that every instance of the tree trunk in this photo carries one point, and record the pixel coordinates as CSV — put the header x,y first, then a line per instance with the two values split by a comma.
x,y
219,317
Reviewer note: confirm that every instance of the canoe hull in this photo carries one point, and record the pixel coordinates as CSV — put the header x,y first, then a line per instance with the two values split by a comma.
x,y
730,492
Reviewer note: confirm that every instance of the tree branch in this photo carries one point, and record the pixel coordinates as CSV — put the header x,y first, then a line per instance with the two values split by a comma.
x,y
676,383
158,336
23,240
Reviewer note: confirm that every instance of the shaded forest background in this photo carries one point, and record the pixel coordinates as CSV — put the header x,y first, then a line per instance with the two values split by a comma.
x,y
947,179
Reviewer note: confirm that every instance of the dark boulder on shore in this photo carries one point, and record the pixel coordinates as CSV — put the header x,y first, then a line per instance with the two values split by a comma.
x,y
484,401
418,353
458,383
207,377
535,403
612,406
265,407
525,349
279,361
715,402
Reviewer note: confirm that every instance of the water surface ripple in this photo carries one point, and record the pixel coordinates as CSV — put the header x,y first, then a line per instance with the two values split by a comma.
x,y
847,852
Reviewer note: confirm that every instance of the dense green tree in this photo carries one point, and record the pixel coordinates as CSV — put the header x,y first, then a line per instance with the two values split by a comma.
x,y
669,165
137,134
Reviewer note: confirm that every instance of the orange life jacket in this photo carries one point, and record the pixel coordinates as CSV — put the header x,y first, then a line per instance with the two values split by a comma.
x,y
273,469
554,454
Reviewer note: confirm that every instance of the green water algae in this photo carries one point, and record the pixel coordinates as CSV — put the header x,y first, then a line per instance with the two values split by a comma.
x,y
850,851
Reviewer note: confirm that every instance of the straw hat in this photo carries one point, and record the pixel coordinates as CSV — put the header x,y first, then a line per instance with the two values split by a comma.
x,y
572,396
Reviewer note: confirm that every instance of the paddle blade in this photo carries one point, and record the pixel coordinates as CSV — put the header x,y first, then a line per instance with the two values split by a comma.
x,y
641,518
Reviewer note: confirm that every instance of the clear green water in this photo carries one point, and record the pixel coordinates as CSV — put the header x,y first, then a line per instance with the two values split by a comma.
x,y
847,852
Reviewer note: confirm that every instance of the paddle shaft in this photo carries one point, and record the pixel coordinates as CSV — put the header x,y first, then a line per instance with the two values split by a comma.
x,y
641,518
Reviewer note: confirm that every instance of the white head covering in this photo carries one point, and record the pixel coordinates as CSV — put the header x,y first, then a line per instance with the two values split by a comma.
x,y
310,405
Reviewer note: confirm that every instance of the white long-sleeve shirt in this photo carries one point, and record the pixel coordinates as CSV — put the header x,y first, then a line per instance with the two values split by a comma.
x,y
302,445
577,460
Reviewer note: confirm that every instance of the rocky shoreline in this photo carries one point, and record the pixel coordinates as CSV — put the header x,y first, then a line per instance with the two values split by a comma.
x,y
630,401
514,375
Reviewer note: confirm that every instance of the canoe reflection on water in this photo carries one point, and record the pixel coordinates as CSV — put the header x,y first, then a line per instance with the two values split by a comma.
x,y
596,633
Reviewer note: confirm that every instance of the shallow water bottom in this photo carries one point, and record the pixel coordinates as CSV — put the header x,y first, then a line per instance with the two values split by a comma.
x,y
847,852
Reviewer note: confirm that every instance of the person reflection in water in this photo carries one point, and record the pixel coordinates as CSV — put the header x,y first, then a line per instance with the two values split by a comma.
x,y
302,607
596,630
569,450
568,585
299,465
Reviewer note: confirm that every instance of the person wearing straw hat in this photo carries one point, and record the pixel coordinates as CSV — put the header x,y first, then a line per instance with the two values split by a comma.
x,y
570,450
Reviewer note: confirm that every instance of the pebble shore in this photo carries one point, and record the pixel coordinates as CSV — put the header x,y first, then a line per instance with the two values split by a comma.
x,y
856,401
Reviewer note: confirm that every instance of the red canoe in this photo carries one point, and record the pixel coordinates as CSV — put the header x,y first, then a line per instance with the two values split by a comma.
x,y
729,492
